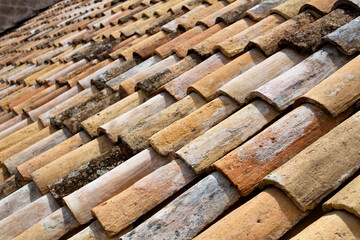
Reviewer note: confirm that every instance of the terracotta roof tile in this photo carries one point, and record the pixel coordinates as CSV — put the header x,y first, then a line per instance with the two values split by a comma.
x,y
269,68
190,212
148,74
308,38
248,164
294,176
112,183
149,191
336,93
183,49
331,226
283,90
27,168
346,199
269,214
344,37
207,47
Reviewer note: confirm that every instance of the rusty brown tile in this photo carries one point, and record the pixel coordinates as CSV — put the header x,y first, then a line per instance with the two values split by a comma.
x,y
237,43
319,6
208,85
309,39
304,168
235,11
248,164
269,41
167,49
30,166
270,214
207,46
152,83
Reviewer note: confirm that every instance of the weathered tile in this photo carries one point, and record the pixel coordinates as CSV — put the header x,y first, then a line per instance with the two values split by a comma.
x,y
189,213
151,43
334,225
110,184
208,85
23,99
240,87
320,6
26,217
86,81
172,26
100,80
347,198
178,86
269,42
88,172
345,37
283,90
114,83
248,164
152,83
260,11
93,232
237,43
43,105
289,8
167,49
113,128
84,95
54,226
338,92
309,38
15,127
320,168
41,142
225,136
28,167
123,209
183,49
268,215
19,199
190,21
233,12
9,119
20,135
137,137
178,134
126,104
127,86
207,47
69,162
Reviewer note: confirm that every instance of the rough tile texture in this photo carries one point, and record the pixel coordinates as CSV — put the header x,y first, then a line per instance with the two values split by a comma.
x,y
137,137
247,165
226,135
120,211
88,172
189,213
345,37
320,168
268,215
110,184
347,198
283,90
178,134
269,41
309,39
339,91
334,225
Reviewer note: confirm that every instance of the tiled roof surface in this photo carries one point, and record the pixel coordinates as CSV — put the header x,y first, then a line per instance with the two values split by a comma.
x,y
182,119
